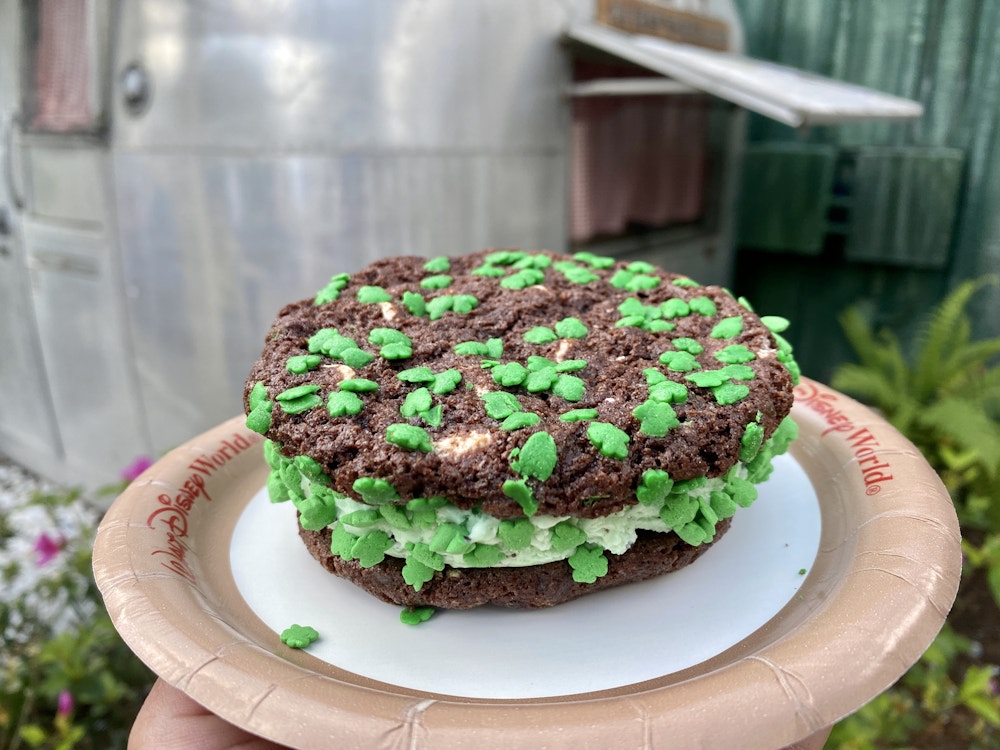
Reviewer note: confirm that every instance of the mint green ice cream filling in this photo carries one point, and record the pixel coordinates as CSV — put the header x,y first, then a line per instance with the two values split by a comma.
x,y
430,533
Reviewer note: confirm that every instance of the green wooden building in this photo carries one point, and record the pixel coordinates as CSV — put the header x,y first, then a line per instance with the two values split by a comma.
x,y
886,215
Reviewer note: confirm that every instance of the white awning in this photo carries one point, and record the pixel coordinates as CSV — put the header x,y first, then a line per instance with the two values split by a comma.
x,y
789,95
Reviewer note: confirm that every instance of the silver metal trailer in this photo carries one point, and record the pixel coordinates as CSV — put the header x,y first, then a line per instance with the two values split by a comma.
x,y
174,172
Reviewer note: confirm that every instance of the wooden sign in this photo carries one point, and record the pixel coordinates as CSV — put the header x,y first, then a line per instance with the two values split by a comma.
x,y
655,19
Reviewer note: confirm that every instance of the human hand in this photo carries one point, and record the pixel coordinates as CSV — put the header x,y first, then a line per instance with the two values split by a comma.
x,y
169,720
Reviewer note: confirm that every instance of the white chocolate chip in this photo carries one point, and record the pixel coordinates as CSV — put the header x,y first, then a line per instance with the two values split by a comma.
x,y
562,351
388,310
459,445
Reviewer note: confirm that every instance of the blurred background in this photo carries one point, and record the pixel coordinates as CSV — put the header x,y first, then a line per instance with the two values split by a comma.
x,y
173,173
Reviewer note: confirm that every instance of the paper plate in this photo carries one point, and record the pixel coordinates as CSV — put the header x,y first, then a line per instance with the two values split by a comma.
x,y
821,595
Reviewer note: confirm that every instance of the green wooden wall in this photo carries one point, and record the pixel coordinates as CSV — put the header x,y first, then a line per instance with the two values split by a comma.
x,y
888,215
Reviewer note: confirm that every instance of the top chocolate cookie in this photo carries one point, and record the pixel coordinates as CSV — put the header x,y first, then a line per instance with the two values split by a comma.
x,y
518,382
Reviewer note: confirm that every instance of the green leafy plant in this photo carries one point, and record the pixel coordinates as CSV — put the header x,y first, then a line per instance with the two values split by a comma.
x,y
67,680
945,397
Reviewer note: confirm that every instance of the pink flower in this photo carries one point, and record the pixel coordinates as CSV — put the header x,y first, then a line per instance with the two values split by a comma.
x,y
65,706
131,472
47,547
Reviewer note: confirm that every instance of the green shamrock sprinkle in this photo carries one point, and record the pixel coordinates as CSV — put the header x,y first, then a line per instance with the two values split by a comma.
x,y
370,549
416,375
472,348
483,556
571,365
415,303
259,418
512,373
728,328
518,420
569,387
343,404
375,491
564,536
450,538
640,266
500,404
328,341
302,363
654,487
535,260
735,354
702,306
656,418
299,636
395,344
440,264
311,468
516,533
678,510
571,328
775,323
272,454
588,563
686,282
332,290
415,615
578,415
373,294
540,335
358,385
659,325
523,279
258,395
742,491
423,553
488,269
537,458
621,278
669,392
362,518
464,303
679,361
356,358
437,307
642,281
608,439
707,378
316,512
541,380
446,382
342,542
395,516
410,437
519,491
438,281
730,393
692,534
722,504
595,261
688,345
738,372
575,274
416,573
494,348
298,399
505,257
750,443
416,402
675,308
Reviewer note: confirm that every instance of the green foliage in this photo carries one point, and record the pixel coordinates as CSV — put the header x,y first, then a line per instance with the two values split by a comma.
x,y
928,702
67,680
946,399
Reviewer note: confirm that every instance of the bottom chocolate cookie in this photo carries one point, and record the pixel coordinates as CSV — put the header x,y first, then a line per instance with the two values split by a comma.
x,y
534,586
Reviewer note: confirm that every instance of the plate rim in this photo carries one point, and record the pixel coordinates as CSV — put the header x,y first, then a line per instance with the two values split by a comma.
x,y
903,556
